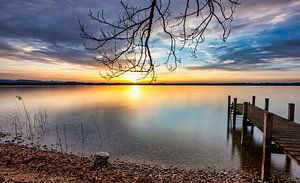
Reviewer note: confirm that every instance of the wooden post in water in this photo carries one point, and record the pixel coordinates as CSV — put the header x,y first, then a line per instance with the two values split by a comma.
x,y
252,130
234,113
291,117
253,100
229,108
291,112
266,104
245,117
267,146
253,103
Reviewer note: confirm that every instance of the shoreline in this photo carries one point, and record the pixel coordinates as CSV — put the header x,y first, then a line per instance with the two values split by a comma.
x,y
23,164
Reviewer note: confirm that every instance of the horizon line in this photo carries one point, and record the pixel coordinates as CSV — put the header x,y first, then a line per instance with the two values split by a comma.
x,y
59,82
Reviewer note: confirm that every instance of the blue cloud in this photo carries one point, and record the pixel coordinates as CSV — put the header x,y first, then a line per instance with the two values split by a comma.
x,y
263,46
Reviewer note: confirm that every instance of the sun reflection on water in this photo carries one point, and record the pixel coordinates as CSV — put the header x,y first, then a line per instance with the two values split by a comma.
x,y
135,91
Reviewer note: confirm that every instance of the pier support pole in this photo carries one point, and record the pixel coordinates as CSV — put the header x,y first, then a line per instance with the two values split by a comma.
x,y
291,112
234,113
291,117
253,100
266,104
253,103
267,146
252,130
244,127
229,108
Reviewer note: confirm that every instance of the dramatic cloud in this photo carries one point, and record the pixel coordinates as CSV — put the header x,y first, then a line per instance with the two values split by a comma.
x,y
265,36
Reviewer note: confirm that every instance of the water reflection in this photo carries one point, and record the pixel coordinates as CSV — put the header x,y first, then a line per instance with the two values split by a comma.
x,y
135,91
166,125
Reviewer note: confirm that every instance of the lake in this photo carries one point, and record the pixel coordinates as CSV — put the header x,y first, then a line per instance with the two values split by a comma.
x,y
184,126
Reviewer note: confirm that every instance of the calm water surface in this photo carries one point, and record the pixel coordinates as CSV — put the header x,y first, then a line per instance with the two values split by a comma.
x,y
184,126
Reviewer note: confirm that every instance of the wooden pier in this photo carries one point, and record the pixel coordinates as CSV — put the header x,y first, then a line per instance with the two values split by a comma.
x,y
279,134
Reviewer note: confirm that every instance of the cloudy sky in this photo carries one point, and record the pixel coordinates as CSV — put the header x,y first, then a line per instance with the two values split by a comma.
x,y
40,40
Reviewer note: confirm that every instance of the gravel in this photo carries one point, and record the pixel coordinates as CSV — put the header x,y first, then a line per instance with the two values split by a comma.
x,y
24,164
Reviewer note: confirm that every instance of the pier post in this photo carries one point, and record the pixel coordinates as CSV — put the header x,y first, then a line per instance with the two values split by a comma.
x,y
253,100
291,117
229,108
253,103
234,113
267,146
244,127
291,112
252,130
266,104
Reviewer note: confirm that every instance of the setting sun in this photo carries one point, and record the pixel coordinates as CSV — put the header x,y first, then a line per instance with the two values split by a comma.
x,y
132,77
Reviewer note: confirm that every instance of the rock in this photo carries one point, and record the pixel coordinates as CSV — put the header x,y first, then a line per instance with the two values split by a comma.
x,y
100,159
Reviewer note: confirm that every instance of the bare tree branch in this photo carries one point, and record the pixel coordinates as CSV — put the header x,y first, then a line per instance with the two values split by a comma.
x,y
125,45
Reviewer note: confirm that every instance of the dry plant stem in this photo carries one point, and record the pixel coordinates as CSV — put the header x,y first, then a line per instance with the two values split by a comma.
x,y
82,133
58,138
65,136
29,133
16,129
98,130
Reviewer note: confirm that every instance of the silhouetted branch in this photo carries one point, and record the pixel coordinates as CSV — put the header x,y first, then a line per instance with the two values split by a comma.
x,y
124,46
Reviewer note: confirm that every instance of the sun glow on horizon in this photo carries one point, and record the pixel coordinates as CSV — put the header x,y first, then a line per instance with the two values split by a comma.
x,y
132,77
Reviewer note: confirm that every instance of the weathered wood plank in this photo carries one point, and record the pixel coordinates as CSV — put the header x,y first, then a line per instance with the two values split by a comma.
x,y
285,134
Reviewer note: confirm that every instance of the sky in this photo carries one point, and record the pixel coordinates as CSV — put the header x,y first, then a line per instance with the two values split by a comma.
x,y
41,40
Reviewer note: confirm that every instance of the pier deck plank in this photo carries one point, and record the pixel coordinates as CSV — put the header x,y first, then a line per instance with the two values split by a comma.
x,y
286,134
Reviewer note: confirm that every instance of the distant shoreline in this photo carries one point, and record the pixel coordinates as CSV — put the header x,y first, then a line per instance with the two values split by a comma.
x,y
38,82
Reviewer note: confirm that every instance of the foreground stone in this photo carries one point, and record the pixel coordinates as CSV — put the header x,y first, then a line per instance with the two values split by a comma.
x,y
100,159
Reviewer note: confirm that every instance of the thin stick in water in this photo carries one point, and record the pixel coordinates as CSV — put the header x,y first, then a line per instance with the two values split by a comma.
x,y
58,139
65,136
